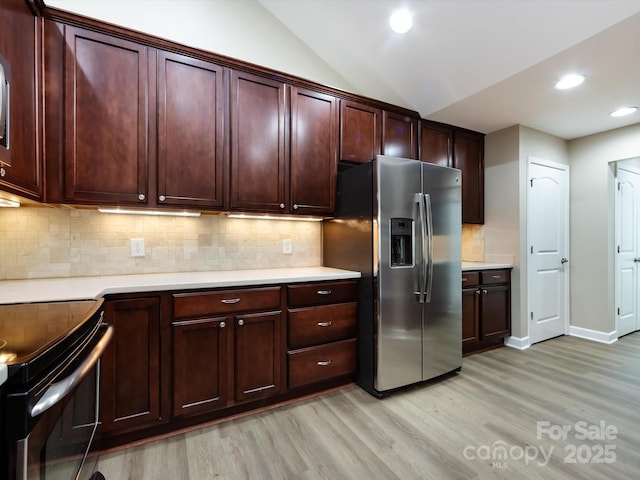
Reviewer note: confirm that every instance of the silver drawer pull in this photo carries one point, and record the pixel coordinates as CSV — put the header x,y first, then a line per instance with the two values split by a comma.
x,y
324,292
464,279
324,363
230,300
497,277
324,324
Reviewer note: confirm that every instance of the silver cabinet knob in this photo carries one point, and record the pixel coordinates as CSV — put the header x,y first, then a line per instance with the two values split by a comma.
x,y
240,322
478,292
295,206
222,324
141,196
282,205
3,172
485,291
162,198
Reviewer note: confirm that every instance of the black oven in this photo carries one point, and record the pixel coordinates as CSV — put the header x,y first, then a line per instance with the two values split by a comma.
x,y
50,402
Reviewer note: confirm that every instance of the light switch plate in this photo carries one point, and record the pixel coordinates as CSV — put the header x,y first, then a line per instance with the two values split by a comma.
x,y
137,247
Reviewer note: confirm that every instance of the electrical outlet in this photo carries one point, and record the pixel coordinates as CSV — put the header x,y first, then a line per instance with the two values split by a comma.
x,y
287,246
137,247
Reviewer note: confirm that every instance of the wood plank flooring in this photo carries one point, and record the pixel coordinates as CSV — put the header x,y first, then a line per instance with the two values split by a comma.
x,y
450,429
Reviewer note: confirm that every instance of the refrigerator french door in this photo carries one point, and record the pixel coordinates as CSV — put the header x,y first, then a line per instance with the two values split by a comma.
x,y
399,223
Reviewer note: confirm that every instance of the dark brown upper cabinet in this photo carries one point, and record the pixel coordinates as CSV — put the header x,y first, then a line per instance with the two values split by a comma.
x,y
191,119
283,147
142,127
259,167
20,163
314,151
436,143
360,132
468,156
106,94
450,146
367,131
399,135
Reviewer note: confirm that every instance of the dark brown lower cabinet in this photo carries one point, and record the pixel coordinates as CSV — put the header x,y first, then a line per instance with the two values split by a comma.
x,y
224,351
131,366
258,355
178,359
201,355
486,309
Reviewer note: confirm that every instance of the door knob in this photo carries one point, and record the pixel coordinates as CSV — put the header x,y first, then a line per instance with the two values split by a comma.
x,y
564,260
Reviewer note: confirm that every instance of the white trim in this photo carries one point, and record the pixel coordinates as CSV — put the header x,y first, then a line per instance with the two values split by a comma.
x,y
594,335
518,343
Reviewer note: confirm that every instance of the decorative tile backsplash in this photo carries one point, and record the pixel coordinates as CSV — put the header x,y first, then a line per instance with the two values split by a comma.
x,y
472,243
61,242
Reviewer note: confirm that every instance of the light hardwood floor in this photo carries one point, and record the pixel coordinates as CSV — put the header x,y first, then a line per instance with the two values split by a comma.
x,y
449,429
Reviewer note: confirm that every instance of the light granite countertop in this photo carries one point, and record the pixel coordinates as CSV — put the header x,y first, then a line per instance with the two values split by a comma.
x,y
466,266
83,288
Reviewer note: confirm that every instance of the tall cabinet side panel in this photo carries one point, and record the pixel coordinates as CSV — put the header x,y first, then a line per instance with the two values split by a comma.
x,y
347,242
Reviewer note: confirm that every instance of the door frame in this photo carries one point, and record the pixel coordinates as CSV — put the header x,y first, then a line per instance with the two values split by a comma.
x,y
566,214
616,235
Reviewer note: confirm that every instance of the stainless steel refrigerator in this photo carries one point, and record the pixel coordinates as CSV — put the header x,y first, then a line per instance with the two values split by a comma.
x,y
399,223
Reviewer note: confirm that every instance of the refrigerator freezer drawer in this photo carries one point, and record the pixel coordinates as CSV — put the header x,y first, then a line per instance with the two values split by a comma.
x,y
324,324
314,364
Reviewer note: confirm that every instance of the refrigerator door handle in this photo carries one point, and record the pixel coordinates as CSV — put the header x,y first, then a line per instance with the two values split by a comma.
x,y
422,270
429,248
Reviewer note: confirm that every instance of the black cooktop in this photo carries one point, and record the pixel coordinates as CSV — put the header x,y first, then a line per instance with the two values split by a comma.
x,y
34,335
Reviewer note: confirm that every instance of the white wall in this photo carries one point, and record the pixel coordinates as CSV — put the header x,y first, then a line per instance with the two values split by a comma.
x,y
592,224
506,154
502,213
240,29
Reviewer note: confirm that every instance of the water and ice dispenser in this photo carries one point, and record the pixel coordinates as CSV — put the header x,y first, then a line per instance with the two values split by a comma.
x,y
401,242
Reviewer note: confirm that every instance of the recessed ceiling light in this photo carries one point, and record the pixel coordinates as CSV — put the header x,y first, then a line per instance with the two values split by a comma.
x,y
401,21
621,112
570,81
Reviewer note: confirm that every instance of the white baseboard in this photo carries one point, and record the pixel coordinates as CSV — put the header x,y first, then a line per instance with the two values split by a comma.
x,y
517,342
594,335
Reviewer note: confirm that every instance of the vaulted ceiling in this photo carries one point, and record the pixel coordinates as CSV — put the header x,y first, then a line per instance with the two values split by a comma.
x,y
483,64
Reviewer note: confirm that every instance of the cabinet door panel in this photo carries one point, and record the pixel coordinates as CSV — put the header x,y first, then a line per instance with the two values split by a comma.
x,y
468,156
131,366
201,359
436,144
258,355
360,132
259,171
470,315
399,135
314,151
190,135
496,311
106,118
19,45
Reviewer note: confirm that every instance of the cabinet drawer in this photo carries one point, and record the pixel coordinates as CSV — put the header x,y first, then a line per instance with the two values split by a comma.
x,y
316,325
495,276
314,364
320,293
199,304
470,279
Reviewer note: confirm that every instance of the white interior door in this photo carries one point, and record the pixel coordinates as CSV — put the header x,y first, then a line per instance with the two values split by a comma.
x,y
548,241
627,257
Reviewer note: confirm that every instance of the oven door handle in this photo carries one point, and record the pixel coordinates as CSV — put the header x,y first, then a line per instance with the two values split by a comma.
x,y
59,390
